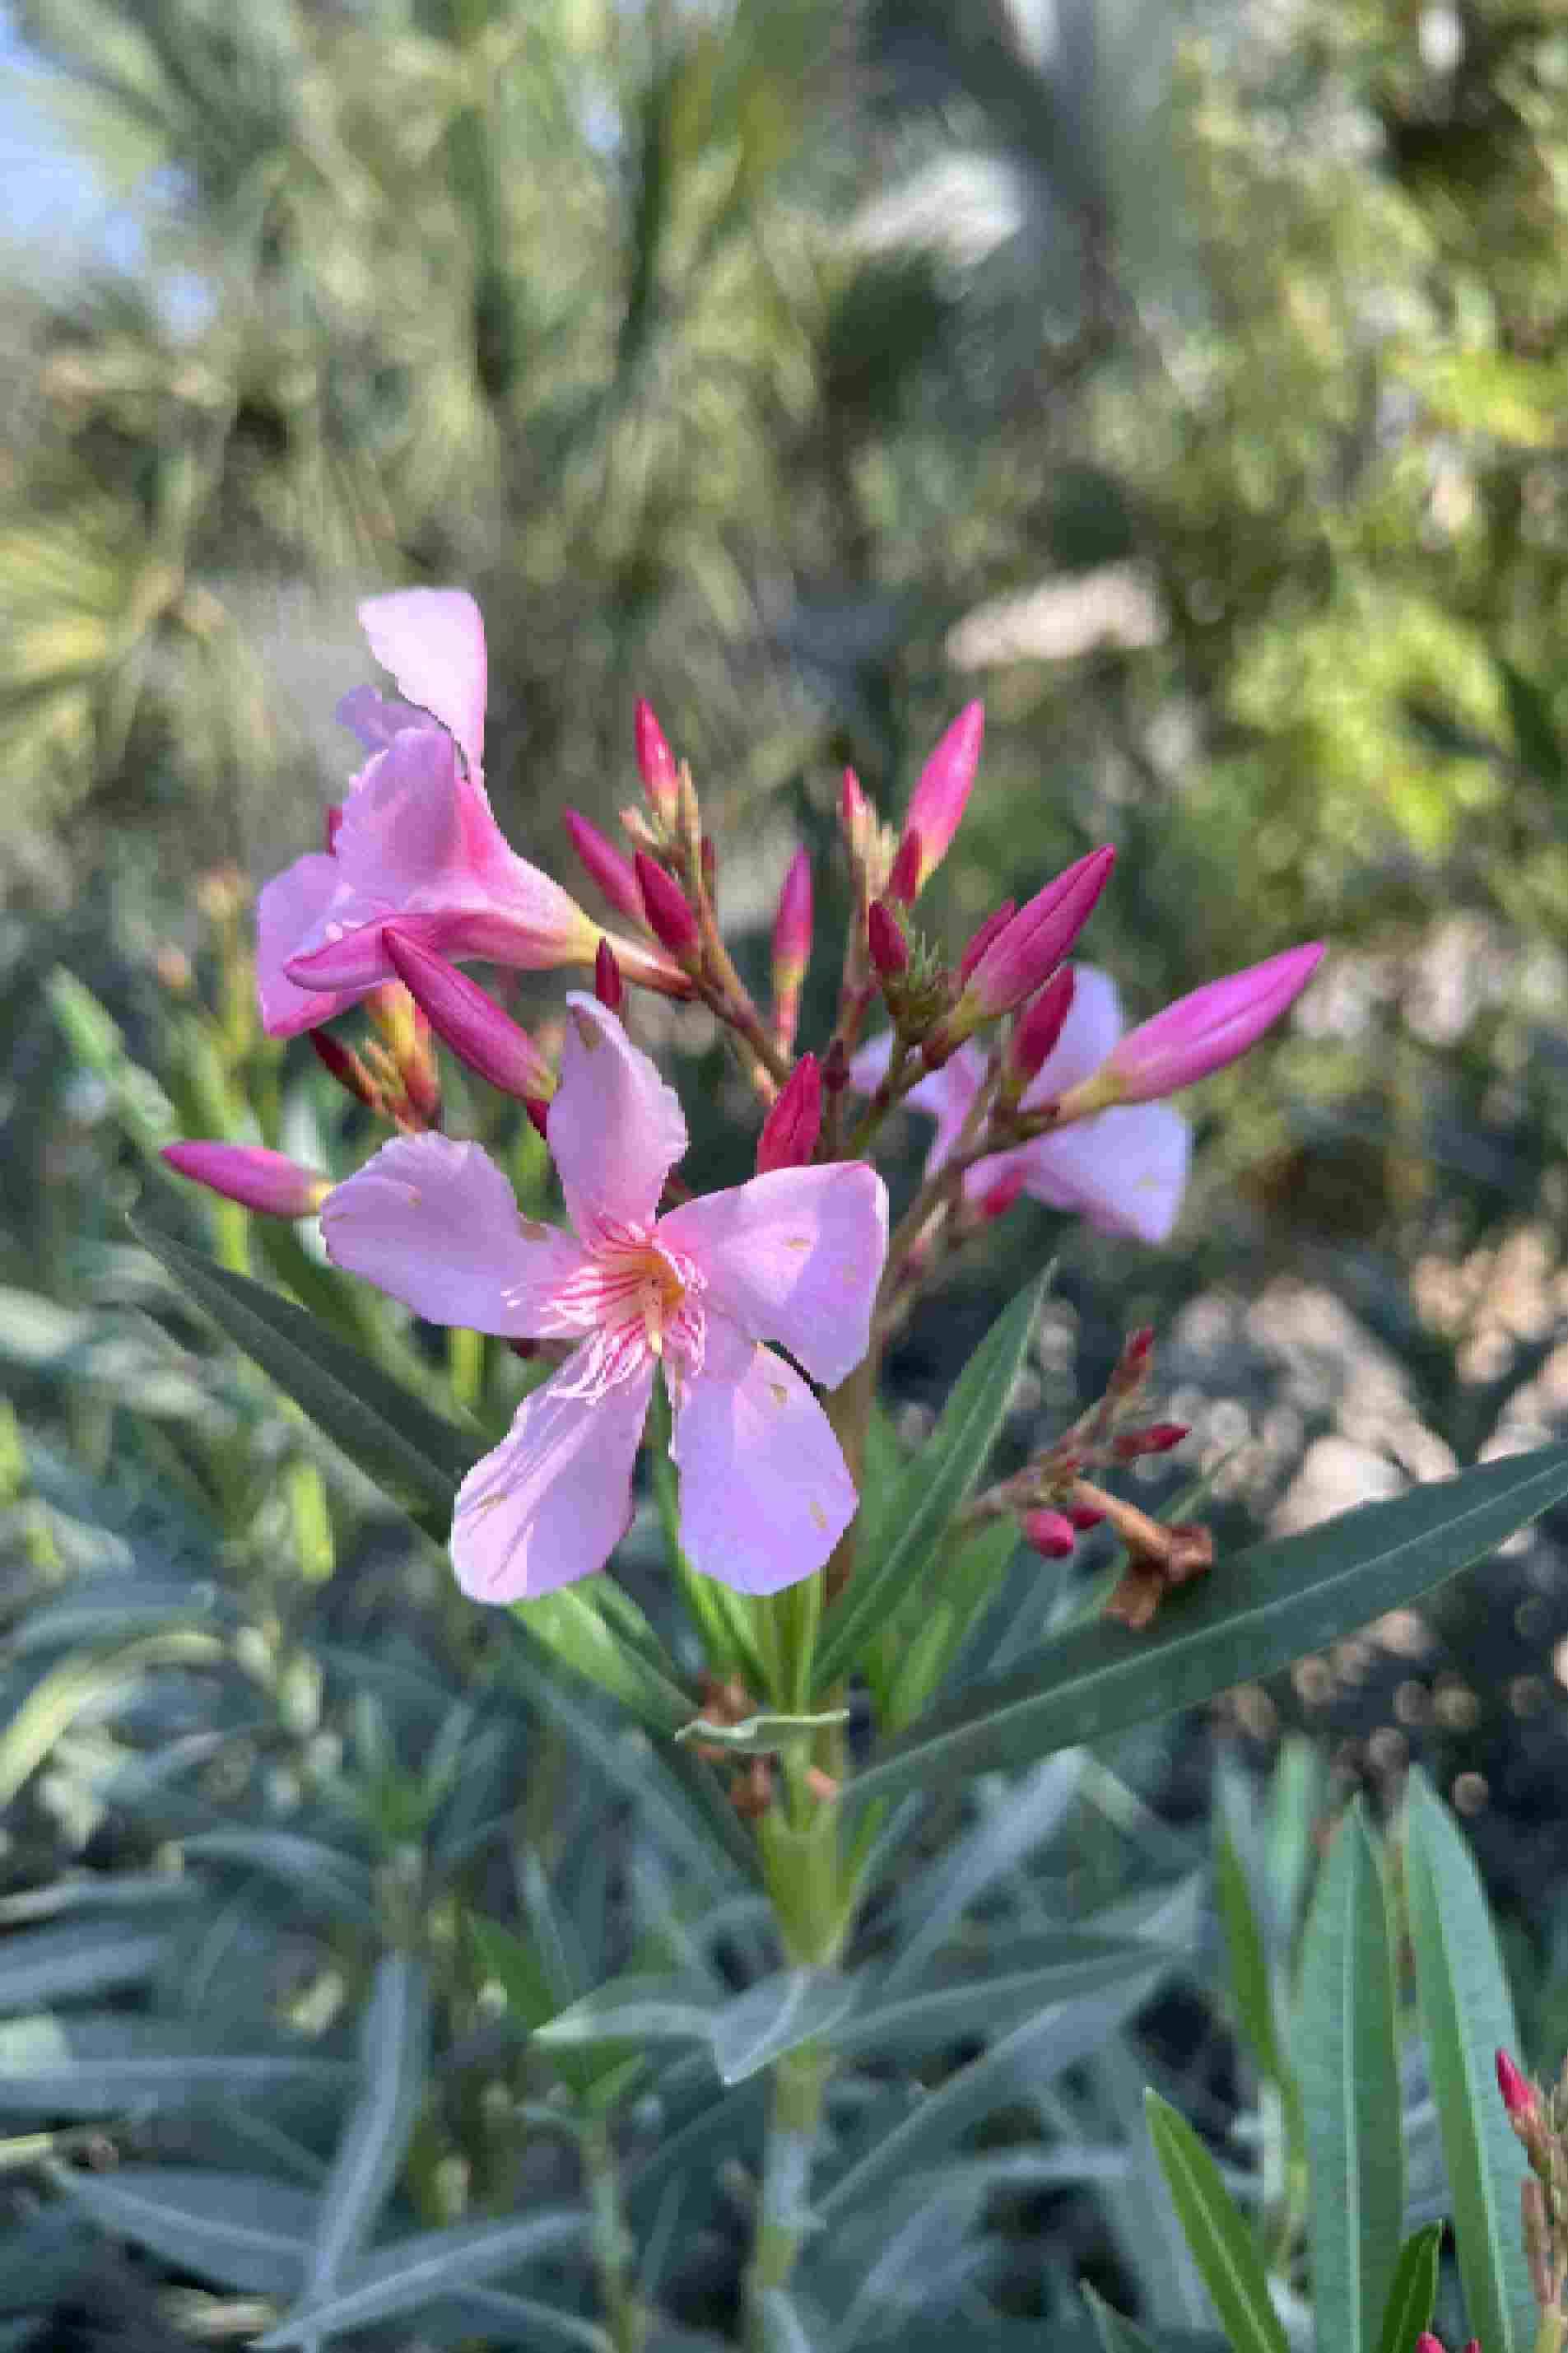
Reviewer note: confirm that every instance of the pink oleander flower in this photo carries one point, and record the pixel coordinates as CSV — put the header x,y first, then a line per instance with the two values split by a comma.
x,y
415,841
1125,1170
791,1257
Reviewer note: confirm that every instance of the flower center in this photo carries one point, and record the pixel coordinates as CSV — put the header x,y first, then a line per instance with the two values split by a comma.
x,y
637,1298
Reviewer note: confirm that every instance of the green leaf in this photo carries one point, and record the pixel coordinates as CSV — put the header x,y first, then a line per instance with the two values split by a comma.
x,y
763,1735
919,1511
237,2229
1413,2293
1349,2060
1056,2037
570,1626
631,2011
1249,1617
1250,1984
1468,2018
59,1697
329,1881
395,2036
777,2015
92,2062
1221,2244
91,1956
1116,2335
414,2273
415,1458
1015,1982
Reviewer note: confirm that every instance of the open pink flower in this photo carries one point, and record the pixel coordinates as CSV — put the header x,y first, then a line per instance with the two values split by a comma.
x,y
415,842
791,1257
1124,1171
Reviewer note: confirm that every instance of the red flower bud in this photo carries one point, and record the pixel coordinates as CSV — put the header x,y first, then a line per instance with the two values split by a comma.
x,y
998,1198
1519,2096
904,879
669,918
885,939
605,865
1158,1439
1084,1517
1050,1534
1037,1028
792,1127
346,1067
608,986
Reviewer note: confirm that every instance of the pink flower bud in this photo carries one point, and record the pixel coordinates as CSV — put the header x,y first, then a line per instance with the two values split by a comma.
x,y
1050,1534
885,939
854,814
982,938
904,875
1036,1030
1025,955
938,802
605,865
1157,1439
1519,2096
469,1020
1427,2343
792,946
656,762
792,1127
1084,1517
268,1181
1202,1032
538,1110
608,986
669,918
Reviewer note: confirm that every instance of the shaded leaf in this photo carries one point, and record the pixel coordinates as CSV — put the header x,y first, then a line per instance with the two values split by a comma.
x,y
1412,2291
414,2273
237,2229
395,2036
1221,2242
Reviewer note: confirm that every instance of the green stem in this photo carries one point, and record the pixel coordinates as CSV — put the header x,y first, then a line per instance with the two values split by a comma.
x,y
1552,2332
795,2114
612,2245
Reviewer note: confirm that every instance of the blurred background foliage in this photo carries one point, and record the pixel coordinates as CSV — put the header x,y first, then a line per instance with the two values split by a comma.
x,y
1188,381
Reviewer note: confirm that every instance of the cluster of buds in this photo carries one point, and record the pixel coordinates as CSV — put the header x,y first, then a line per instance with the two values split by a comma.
x,y
394,1074
1055,1504
1540,2121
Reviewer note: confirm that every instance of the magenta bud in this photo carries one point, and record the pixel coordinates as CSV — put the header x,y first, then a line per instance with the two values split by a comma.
x,y
792,1127
538,1110
981,939
904,877
1050,1534
1025,955
1203,1033
1084,1517
605,865
608,986
1518,2093
937,804
660,776
885,939
792,924
248,1172
334,819
669,918
1157,1439
1037,1028
346,1067
998,1198
469,1022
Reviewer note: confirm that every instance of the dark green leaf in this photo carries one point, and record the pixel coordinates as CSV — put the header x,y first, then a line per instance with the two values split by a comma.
x,y
90,1957
918,1513
1468,2018
414,2273
1221,2242
417,1459
1248,1618
1348,2063
238,2229
91,2063
1413,2293
1116,2335
394,2054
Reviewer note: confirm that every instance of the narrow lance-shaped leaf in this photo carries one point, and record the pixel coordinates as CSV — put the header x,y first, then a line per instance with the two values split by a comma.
x,y
415,1457
414,2273
393,2047
1116,2335
1468,2017
1349,2092
918,1513
1249,1617
1221,2242
1412,2295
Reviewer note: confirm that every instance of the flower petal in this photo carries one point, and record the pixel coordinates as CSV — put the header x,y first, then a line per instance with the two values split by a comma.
x,y
1091,1029
616,1129
374,718
290,908
1125,1170
554,1499
765,1493
433,642
436,1224
795,1256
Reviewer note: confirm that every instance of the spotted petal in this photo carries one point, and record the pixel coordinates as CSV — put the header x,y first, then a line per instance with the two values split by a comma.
x,y
616,1129
436,1224
1125,1171
433,642
765,1493
554,1499
795,1256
